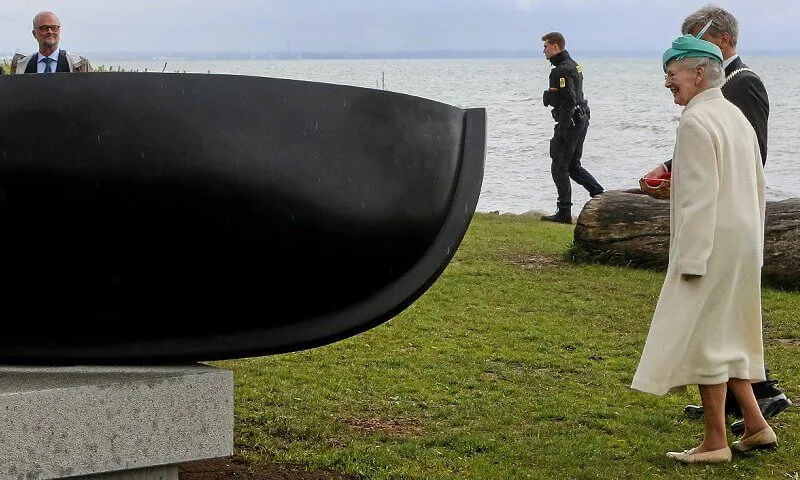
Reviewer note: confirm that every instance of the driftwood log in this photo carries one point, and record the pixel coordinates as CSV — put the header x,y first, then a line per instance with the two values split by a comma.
x,y
626,227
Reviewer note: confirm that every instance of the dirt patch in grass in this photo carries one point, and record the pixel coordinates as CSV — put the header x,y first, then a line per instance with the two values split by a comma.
x,y
790,342
226,468
535,261
235,467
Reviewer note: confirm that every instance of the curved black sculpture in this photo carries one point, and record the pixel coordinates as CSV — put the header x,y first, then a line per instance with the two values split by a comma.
x,y
152,218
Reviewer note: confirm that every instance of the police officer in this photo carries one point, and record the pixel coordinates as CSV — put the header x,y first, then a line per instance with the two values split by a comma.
x,y
571,112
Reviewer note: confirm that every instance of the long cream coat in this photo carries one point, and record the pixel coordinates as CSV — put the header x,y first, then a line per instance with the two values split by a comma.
x,y
707,330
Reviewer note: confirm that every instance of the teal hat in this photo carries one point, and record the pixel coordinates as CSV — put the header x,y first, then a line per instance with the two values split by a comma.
x,y
687,46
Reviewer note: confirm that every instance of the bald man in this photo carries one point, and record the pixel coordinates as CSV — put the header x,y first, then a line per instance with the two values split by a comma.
x,y
50,58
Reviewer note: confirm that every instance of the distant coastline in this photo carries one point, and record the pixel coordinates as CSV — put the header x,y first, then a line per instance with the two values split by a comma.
x,y
432,54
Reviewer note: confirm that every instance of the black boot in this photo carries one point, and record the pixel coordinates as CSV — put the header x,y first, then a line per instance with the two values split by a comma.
x,y
563,215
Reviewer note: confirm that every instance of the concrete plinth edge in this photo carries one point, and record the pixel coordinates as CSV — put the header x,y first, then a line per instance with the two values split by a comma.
x,y
85,421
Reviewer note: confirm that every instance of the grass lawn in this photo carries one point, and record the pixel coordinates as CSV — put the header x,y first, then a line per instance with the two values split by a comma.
x,y
515,364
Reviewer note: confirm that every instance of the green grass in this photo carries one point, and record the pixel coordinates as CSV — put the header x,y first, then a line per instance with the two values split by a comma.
x,y
515,364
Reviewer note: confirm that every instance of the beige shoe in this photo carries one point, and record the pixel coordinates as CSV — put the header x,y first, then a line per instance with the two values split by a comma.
x,y
764,438
715,456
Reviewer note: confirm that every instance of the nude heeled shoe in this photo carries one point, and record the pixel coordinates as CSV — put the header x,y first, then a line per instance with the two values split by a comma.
x,y
764,438
714,456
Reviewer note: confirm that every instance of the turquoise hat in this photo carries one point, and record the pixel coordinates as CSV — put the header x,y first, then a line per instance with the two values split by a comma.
x,y
687,46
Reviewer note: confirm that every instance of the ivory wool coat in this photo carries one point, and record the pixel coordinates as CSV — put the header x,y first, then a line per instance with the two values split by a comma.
x,y
707,330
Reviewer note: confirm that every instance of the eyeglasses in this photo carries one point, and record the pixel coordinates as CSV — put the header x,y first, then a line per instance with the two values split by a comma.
x,y
45,28
670,76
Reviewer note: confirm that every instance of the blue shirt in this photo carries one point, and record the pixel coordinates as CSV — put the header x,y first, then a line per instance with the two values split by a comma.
x,y
41,65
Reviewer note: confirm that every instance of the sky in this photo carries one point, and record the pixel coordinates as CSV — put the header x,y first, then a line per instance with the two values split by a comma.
x,y
258,26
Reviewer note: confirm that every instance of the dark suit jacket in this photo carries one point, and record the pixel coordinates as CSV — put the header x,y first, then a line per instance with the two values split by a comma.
x,y
61,66
747,91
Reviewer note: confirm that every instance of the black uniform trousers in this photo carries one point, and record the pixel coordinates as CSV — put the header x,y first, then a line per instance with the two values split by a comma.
x,y
566,149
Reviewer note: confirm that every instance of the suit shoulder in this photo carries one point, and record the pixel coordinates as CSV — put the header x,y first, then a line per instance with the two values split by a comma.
x,y
750,76
80,63
745,76
16,59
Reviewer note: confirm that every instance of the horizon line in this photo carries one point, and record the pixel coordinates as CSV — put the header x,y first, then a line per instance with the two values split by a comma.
x,y
388,54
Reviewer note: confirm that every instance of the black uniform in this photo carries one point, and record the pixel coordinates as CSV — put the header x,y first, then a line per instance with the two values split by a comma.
x,y
571,112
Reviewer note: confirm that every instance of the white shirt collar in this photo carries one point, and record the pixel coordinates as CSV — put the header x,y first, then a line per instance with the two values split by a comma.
x,y
730,59
53,55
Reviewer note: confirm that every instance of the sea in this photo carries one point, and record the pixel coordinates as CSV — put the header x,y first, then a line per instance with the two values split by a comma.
x,y
631,131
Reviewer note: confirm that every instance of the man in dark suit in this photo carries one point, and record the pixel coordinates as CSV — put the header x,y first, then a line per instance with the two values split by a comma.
x,y
50,58
743,88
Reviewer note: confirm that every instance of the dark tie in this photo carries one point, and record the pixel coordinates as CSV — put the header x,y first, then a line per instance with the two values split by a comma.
x,y
48,65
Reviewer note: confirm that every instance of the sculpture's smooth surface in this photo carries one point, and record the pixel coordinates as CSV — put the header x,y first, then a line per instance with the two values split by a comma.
x,y
152,217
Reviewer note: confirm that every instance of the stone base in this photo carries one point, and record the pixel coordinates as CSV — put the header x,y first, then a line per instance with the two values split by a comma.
x,y
157,473
112,423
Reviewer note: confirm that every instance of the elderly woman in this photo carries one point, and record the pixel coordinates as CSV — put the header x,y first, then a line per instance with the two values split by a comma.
x,y
706,329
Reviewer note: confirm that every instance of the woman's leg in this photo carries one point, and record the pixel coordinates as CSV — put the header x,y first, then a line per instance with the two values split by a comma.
x,y
713,398
753,419
714,448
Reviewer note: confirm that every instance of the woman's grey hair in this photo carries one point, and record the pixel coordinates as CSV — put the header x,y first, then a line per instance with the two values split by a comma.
x,y
715,76
721,22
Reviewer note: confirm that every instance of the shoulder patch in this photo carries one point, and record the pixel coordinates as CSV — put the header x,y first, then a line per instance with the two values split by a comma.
x,y
562,82
579,68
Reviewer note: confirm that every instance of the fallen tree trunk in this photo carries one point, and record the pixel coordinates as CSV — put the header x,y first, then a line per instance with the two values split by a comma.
x,y
626,227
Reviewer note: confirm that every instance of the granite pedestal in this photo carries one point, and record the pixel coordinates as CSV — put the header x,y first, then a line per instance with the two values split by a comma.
x,y
112,423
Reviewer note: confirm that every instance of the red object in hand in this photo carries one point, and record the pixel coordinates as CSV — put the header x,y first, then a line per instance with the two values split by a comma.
x,y
652,182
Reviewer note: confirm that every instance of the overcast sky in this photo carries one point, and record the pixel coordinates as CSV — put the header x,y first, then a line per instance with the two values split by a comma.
x,y
384,25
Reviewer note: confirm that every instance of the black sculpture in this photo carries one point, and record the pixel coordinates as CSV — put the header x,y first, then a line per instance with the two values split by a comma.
x,y
152,218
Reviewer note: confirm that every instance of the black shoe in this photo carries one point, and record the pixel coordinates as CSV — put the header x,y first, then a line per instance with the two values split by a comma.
x,y
769,408
774,405
694,411
737,428
563,215
596,193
